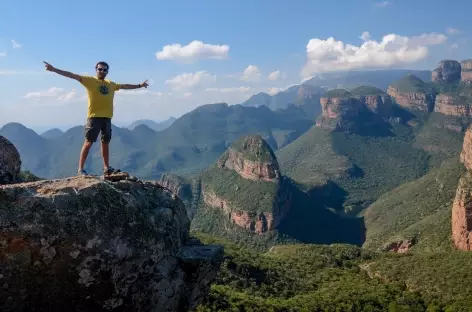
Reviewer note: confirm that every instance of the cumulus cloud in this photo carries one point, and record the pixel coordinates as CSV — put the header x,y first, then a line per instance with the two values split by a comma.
x,y
16,45
393,50
229,90
190,80
53,93
382,4
274,75
453,31
193,51
365,36
252,73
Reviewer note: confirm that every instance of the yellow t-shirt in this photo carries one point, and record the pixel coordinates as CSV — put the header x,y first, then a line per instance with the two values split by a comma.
x,y
100,96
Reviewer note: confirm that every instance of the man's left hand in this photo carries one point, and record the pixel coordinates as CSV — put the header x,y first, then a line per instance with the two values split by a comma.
x,y
144,84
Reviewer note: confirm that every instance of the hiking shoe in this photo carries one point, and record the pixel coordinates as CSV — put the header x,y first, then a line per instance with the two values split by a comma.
x,y
110,170
81,172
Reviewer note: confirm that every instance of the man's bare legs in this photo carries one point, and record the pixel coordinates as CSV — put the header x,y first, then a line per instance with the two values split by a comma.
x,y
106,154
84,153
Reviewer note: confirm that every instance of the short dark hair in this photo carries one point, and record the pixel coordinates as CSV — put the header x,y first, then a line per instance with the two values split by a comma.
x,y
102,63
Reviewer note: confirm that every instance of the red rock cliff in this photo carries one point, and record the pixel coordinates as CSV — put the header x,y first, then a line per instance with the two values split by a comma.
x,y
452,105
414,100
462,206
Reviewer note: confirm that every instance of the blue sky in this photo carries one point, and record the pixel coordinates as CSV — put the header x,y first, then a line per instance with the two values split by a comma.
x,y
260,36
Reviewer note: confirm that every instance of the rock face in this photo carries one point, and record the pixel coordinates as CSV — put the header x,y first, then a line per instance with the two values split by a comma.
x,y
466,71
10,162
337,110
257,169
85,244
452,105
447,71
399,246
462,206
411,92
252,158
378,104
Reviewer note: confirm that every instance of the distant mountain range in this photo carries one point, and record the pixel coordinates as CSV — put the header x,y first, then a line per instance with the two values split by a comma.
x,y
156,126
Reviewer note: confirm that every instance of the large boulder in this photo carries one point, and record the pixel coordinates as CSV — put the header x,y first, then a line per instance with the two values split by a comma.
x,y
10,162
86,244
447,71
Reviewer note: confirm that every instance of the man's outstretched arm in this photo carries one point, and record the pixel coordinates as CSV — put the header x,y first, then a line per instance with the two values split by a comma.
x,y
64,73
132,86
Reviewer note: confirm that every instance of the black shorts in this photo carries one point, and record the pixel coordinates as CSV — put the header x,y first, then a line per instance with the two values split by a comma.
x,y
96,125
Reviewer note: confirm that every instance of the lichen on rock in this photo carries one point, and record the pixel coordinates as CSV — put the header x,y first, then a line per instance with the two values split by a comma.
x,y
86,244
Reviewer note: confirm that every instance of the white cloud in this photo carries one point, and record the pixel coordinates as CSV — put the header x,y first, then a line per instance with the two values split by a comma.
x,y
53,93
393,50
16,45
190,80
252,73
228,90
274,90
3,54
187,94
193,51
382,4
455,46
365,36
453,31
274,75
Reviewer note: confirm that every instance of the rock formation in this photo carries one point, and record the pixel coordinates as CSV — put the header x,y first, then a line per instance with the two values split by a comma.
x,y
452,105
462,206
10,162
256,168
411,92
252,158
338,107
401,246
447,71
86,244
466,71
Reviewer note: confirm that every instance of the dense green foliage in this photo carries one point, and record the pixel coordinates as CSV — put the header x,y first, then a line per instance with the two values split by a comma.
x,y
419,210
412,84
367,90
337,93
254,148
337,278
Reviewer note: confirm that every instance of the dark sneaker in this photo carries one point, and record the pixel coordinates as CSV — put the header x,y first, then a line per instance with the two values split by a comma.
x,y
81,172
110,170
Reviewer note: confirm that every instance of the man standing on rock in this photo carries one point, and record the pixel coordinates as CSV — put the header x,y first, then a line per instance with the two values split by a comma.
x,y
100,111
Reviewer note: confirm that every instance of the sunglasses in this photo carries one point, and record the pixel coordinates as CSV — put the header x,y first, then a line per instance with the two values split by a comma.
x,y
102,69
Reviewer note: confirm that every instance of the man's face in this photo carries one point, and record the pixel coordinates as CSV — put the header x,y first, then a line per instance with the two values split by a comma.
x,y
102,71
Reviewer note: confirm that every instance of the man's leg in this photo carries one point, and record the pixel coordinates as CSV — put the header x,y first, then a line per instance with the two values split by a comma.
x,y
92,129
106,138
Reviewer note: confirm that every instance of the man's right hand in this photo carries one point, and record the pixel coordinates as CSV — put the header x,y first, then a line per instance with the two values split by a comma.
x,y
48,66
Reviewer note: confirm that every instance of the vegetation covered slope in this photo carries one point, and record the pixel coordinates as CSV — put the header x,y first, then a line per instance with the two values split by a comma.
x,y
419,210
412,84
192,143
337,278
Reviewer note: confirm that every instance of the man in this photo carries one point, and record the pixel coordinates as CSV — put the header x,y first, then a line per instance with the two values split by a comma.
x,y
100,111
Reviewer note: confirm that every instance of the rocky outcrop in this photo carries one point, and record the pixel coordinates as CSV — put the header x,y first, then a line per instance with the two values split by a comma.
x,y
10,162
447,71
256,222
414,100
86,244
466,71
462,206
337,111
452,105
177,185
252,158
378,104
401,246
462,214
411,92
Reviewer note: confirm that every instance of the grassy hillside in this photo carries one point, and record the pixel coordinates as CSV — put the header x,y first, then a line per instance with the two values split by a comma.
x,y
337,278
412,84
419,210
366,90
